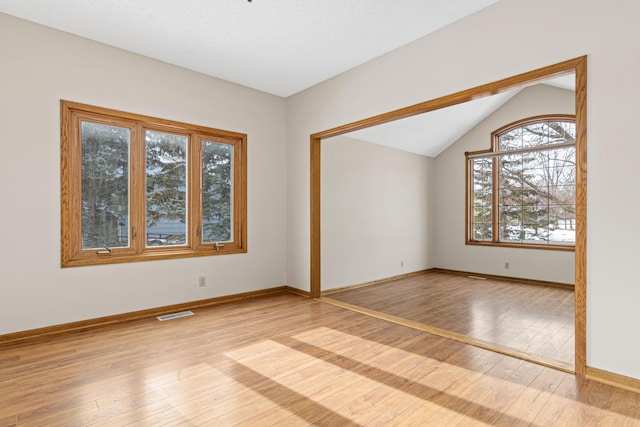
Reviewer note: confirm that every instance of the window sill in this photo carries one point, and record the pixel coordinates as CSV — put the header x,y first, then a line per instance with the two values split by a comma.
x,y
544,246
151,255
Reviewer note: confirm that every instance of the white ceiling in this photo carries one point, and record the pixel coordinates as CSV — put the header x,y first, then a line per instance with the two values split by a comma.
x,y
276,46
431,133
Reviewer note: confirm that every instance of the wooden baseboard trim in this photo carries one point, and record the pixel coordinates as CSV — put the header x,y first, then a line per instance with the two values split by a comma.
x,y
627,383
505,278
136,315
508,351
297,291
375,282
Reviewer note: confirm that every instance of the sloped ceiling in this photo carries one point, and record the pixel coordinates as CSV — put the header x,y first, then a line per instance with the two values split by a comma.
x,y
276,46
431,133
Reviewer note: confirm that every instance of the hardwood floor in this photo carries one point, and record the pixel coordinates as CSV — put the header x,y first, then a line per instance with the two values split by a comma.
x,y
538,320
284,359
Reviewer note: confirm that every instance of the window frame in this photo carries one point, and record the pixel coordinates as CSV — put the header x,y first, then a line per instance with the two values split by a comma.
x,y
72,253
495,152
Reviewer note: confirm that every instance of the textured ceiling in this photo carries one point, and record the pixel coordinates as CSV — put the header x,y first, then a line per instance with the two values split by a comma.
x,y
276,46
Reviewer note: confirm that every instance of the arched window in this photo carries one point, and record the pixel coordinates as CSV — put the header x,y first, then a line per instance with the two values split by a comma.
x,y
521,192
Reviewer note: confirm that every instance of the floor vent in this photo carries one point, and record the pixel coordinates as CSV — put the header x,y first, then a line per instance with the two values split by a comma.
x,y
477,277
174,315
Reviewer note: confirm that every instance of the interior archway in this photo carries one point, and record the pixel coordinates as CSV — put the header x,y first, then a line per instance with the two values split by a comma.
x,y
577,66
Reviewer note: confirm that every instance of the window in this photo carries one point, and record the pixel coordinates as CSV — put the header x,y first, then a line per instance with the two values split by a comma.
x,y
138,188
521,192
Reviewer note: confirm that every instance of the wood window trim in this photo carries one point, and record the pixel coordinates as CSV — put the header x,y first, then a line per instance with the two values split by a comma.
x,y
72,254
495,151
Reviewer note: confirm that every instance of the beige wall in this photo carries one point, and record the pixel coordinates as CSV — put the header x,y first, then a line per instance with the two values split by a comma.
x,y
40,66
383,215
554,266
377,212
508,38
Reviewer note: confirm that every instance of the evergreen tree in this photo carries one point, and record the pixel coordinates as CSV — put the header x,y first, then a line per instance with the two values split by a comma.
x,y
217,161
536,188
105,185
166,181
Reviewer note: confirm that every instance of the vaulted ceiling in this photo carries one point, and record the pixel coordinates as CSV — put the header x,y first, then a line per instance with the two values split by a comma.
x,y
276,46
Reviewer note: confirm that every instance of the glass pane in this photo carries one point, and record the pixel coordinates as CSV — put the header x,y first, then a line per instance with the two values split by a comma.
x,y
537,188
535,233
561,132
482,215
217,192
511,140
511,165
564,161
510,232
538,134
166,183
105,185
482,194
535,134
482,232
562,236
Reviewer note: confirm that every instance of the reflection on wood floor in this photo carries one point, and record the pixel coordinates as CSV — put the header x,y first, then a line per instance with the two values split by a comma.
x,y
534,319
283,359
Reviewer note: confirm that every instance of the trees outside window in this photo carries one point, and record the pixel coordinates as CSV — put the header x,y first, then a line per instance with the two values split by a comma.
x,y
137,188
522,191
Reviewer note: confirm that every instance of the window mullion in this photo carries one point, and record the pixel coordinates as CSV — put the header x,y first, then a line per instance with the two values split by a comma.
x,y
239,201
495,201
521,151
137,194
194,176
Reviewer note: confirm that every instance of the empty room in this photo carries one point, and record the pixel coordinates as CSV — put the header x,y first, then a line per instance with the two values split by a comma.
x,y
394,208
319,213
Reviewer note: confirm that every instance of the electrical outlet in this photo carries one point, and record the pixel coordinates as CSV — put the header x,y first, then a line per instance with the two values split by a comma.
x,y
401,263
506,265
202,281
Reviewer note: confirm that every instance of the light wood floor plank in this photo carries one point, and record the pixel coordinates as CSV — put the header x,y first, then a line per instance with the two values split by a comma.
x,y
534,319
287,360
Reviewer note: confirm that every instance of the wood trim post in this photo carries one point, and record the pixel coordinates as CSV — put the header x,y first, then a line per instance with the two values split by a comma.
x,y
581,218
315,287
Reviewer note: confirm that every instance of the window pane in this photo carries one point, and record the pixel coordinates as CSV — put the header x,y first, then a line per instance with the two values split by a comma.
x,y
533,233
561,132
535,134
563,161
482,194
483,215
511,166
537,201
217,191
535,184
166,187
510,232
511,140
538,134
482,232
105,185
562,236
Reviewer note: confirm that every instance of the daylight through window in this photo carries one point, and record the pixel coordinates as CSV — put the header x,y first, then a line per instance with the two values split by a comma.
x,y
137,188
522,191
